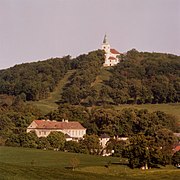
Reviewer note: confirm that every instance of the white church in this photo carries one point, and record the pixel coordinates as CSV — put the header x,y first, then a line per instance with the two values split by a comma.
x,y
111,55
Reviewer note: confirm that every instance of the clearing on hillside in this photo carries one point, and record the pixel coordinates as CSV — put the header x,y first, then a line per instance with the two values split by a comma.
x,y
50,104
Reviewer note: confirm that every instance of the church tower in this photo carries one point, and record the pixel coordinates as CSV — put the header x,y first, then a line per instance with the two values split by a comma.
x,y
106,45
111,55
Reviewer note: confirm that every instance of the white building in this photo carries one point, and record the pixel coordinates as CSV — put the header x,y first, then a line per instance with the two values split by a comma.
x,y
103,139
111,55
73,130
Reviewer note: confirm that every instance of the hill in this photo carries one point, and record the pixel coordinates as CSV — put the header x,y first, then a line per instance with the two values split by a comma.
x,y
40,164
140,78
33,81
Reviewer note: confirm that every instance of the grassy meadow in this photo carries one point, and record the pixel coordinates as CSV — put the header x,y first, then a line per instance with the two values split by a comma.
x,y
172,108
24,163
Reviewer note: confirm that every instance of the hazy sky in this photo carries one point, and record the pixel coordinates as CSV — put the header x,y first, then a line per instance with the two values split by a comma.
x,y
32,30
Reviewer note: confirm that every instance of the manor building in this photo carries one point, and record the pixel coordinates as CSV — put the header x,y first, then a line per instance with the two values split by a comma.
x,y
73,130
111,55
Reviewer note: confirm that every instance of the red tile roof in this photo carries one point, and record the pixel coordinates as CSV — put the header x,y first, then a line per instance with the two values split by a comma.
x,y
47,124
176,147
112,58
114,51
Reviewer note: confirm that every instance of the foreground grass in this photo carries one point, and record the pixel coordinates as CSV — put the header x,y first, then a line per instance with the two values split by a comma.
x,y
24,163
27,156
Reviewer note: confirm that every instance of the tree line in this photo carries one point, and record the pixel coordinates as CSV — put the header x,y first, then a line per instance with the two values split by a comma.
x,y
126,122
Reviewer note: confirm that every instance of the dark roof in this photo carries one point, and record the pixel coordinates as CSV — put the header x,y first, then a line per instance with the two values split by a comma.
x,y
67,136
104,136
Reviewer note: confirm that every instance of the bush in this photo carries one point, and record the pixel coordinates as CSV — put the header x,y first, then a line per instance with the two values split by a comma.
x,y
72,146
56,140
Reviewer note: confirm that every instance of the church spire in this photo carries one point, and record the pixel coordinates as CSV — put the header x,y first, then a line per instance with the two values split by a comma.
x,y
105,40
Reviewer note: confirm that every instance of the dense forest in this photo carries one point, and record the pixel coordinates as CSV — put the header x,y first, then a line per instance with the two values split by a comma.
x,y
145,78
33,81
139,78
87,68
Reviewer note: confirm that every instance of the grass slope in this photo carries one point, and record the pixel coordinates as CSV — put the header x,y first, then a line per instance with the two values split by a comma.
x,y
172,108
103,76
49,104
23,163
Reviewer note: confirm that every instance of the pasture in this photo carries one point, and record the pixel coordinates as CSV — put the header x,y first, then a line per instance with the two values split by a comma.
x,y
25,163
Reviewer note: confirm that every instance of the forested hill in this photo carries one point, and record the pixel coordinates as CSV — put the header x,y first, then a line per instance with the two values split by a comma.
x,y
34,81
140,77
145,78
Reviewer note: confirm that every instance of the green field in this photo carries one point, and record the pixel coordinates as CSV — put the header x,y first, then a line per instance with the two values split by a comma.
x,y
24,163
172,108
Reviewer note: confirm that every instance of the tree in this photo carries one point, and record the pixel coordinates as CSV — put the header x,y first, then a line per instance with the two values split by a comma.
x,y
72,146
74,163
56,140
28,139
13,140
92,143
138,152
118,146
149,151
43,143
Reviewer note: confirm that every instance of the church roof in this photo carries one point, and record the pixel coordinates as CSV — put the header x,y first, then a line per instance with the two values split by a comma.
x,y
114,51
105,40
47,124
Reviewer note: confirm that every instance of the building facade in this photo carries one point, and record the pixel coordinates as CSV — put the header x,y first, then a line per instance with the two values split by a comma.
x,y
112,56
72,129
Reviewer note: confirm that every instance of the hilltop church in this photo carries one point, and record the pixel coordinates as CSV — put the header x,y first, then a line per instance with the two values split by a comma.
x,y
111,55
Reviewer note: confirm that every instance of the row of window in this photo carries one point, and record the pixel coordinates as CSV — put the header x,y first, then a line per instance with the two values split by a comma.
x,y
42,132
73,133
77,132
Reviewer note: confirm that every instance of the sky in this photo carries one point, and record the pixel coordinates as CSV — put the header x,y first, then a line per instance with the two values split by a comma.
x,y
32,30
